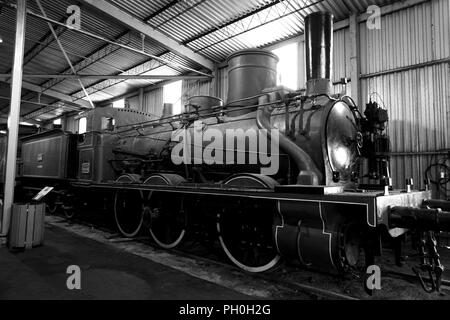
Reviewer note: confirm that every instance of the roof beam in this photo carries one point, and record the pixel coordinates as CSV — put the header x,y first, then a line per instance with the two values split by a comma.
x,y
106,50
22,119
238,28
43,110
230,22
138,25
54,94
92,58
107,77
138,70
58,41
41,106
161,10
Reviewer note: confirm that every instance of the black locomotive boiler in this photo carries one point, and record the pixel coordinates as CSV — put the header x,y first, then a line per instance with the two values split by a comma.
x,y
313,208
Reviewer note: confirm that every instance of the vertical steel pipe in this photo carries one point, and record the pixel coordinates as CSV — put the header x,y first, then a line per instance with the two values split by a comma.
x,y
14,117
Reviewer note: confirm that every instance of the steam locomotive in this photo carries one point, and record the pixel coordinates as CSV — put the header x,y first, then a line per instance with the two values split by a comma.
x,y
310,207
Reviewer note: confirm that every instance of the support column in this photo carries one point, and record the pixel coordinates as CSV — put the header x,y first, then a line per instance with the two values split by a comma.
x,y
13,120
355,59
213,88
301,69
64,122
141,99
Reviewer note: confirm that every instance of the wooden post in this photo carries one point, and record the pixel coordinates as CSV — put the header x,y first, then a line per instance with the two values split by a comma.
x,y
14,118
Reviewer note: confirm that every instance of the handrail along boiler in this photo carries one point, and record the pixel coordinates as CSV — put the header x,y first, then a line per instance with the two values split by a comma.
x,y
312,209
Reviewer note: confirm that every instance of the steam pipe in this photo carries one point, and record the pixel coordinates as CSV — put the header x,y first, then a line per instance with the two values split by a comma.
x,y
422,219
308,172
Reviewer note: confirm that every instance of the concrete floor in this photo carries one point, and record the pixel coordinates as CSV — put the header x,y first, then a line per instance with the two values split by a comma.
x,y
114,268
106,273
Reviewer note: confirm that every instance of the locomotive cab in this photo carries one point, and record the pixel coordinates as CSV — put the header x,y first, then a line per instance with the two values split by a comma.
x,y
95,147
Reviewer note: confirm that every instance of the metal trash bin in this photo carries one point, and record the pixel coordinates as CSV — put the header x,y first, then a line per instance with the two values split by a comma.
x,y
27,226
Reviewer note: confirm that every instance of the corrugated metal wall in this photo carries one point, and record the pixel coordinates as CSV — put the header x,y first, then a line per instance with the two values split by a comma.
x,y
418,98
152,102
416,35
70,124
417,101
193,88
134,103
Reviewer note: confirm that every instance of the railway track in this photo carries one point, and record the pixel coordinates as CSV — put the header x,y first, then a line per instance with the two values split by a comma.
x,y
285,284
314,292
445,287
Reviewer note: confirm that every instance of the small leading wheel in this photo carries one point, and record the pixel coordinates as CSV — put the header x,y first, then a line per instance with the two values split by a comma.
x,y
54,204
69,206
165,215
69,212
128,207
52,207
246,228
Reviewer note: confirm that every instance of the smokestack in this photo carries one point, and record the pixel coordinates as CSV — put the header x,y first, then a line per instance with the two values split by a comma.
x,y
319,52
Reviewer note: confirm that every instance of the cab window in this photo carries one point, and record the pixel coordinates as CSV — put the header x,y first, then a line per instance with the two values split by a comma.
x,y
82,125
108,124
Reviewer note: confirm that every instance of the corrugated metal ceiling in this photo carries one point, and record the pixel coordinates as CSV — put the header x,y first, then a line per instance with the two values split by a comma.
x,y
213,28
